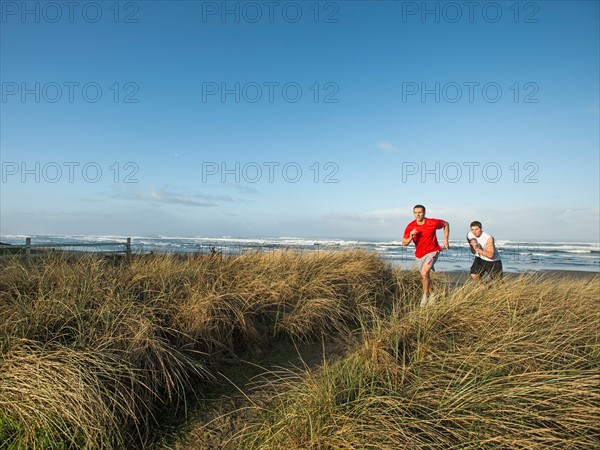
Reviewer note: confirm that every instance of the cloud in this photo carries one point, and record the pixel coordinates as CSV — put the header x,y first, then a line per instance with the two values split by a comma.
x,y
243,189
535,223
387,146
380,215
167,196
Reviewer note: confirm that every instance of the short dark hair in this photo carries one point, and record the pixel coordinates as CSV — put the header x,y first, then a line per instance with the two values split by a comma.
x,y
419,206
476,223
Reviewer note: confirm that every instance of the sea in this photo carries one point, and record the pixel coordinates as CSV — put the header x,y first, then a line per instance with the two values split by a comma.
x,y
516,256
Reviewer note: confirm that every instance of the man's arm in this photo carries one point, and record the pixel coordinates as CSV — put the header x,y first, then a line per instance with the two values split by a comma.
x,y
406,240
446,235
472,242
488,252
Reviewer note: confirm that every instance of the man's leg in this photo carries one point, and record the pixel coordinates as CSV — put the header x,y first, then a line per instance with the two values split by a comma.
x,y
426,279
496,271
476,269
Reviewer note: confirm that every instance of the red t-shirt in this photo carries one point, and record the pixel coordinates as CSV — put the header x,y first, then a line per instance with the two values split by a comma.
x,y
425,240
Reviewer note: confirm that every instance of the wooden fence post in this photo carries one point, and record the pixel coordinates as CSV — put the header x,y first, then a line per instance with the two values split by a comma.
x,y
28,246
128,248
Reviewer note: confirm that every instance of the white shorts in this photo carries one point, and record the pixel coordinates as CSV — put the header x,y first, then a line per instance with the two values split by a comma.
x,y
428,259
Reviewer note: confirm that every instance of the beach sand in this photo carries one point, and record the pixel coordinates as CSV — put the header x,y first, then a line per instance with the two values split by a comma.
x,y
458,278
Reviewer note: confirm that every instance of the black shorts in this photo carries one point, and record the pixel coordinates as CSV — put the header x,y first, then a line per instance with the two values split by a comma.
x,y
481,266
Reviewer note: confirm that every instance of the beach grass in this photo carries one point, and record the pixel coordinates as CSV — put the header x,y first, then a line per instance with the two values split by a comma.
x,y
515,366
95,350
92,348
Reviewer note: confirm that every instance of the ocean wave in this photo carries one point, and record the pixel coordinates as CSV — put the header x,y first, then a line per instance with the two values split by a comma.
x,y
582,255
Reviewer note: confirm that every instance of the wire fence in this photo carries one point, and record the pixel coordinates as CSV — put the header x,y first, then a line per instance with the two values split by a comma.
x,y
44,248
127,247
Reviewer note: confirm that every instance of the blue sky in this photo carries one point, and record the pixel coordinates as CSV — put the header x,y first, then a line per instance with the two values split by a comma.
x,y
307,119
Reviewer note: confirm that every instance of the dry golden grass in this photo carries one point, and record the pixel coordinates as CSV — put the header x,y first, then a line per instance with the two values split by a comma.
x,y
91,349
512,367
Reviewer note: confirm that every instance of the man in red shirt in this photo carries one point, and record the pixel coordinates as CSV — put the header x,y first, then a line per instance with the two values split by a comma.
x,y
421,231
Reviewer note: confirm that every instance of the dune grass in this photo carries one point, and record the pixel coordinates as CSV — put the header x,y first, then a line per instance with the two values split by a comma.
x,y
94,350
515,366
